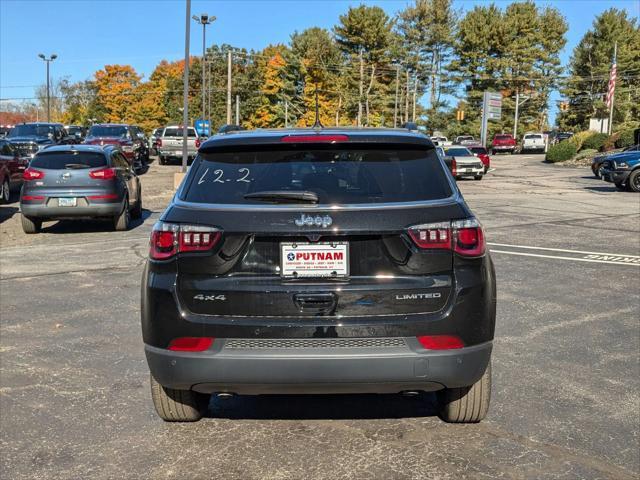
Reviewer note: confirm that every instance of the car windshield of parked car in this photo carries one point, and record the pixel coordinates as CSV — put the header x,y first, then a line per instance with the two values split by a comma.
x,y
177,132
104,131
68,160
503,137
478,149
336,176
532,137
30,131
458,152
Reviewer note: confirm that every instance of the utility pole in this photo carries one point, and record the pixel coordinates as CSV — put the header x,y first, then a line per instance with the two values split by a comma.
x,y
406,101
361,88
515,120
615,54
415,92
204,19
185,90
238,110
286,113
51,58
395,105
229,87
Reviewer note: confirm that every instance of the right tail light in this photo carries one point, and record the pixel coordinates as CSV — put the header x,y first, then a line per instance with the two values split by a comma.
x,y
170,239
464,237
454,166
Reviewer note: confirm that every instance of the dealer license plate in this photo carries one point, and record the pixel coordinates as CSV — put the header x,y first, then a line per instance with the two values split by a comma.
x,y
67,202
314,259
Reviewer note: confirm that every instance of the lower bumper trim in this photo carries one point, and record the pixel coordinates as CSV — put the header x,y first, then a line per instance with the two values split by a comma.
x,y
296,371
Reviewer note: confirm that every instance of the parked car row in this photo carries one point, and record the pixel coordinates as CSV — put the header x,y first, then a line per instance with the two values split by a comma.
x,y
621,168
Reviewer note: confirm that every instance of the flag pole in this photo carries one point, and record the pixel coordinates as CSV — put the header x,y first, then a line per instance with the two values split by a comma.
x,y
613,93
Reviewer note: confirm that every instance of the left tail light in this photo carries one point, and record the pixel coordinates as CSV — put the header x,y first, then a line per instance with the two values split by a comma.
x,y
32,174
169,239
464,237
197,143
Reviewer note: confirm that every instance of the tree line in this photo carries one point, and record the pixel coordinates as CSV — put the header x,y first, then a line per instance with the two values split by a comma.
x,y
423,64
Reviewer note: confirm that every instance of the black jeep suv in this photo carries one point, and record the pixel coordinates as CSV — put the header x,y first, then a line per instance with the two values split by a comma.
x,y
318,261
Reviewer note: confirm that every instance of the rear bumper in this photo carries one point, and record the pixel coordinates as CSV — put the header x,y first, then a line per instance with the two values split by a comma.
x,y
176,153
336,370
500,148
463,171
55,212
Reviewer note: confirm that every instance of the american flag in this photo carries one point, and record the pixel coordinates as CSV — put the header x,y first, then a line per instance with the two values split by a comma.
x,y
612,83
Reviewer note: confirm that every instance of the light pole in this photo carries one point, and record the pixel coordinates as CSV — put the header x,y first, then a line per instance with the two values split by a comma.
x,y
48,61
204,19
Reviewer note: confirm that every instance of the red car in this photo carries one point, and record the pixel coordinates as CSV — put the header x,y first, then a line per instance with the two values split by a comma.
x,y
128,137
482,153
503,142
12,164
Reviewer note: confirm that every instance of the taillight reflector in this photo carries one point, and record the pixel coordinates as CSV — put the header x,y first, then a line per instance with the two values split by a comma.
x,y
191,344
169,239
110,196
32,174
32,197
440,342
103,174
314,138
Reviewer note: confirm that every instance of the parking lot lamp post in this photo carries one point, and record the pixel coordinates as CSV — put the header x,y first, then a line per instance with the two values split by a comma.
x,y
204,20
48,61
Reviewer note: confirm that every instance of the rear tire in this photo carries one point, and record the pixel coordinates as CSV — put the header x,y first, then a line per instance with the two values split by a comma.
x,y
121,222
5,193
178,405
30,226
162,160
466,404
633,182
477,177
136,212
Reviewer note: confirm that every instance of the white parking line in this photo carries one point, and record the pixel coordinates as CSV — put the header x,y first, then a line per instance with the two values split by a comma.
x,y
629,261
527,247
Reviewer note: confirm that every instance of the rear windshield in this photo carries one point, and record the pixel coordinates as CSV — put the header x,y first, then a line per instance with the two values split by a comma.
x,y
460,152
68,160
31,130
103,131
337,176
533,137
504,137
177,132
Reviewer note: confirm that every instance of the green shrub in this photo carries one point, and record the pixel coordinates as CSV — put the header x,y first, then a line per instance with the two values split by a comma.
x,y
578,138
589,152
595,140
625,139
561,152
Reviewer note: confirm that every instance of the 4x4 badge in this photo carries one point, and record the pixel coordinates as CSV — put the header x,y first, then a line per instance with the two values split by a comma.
x,y
310,221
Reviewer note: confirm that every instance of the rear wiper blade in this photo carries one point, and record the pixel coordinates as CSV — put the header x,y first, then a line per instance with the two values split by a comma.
x,y
76,165
284,196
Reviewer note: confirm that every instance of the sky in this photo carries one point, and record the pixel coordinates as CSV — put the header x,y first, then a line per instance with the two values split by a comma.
x,y
87,34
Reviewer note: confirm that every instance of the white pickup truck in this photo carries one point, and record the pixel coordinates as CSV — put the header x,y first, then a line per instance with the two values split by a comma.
x,y
169,144
534,142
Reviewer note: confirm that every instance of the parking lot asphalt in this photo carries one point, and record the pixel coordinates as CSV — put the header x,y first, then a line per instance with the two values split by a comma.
x,y
74,388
